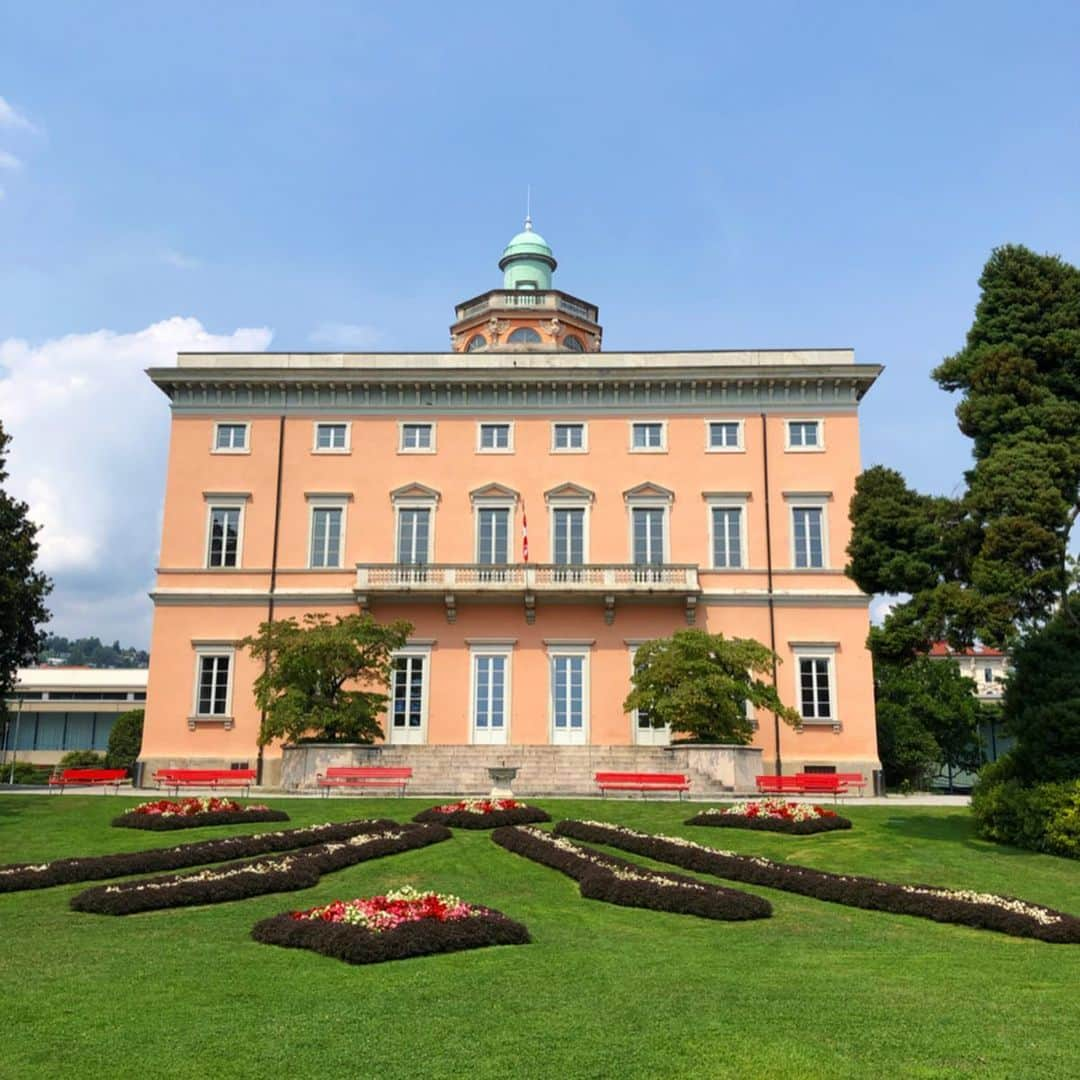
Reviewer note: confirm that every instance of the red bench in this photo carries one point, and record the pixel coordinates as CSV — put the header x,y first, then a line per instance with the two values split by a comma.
x,y
211,778
853,779
92,777
803,784
643,782
364,776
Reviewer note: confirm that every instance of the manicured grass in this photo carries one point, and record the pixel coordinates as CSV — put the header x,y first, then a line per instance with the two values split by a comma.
x,y
816,991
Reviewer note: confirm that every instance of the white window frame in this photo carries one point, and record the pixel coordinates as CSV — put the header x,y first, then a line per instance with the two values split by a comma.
x,y
225,502
505,649
727,502
423,651
211,649
569,502
245,449
809,501
661,449
495,502
740,436
660,736
804,449
327,502
648,502
403,449
317,449
816,651
568,648
582,449
507,449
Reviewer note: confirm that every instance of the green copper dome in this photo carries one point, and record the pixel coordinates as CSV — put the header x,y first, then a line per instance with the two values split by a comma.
x,y
527,262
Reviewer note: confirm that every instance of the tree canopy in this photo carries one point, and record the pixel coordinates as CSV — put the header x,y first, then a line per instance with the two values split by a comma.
x,y
22,588
302,689
699,683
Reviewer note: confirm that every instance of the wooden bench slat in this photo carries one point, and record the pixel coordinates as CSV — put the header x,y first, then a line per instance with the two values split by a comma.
x,y
362,776
615,781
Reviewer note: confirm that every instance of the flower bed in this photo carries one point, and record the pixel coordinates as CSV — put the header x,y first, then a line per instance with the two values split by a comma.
x,y
19,876
238,881
983,911
483,814
774,815
165,814
616,881
395,926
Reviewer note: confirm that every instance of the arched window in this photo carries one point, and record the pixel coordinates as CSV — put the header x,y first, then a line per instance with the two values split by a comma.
x,y
573,343
524,335
477,341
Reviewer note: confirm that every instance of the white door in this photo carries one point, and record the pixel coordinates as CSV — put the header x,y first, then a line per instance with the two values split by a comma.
x,y
568,700
490,698
647,735
407,699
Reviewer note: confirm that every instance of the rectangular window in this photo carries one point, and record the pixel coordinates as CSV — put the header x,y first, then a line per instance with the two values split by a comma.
x,y
493,536
568,692
647,436
223,549
568,547
568,436
213,690
417,437
725,435
230,437
804,435
414,534
489,708
494,437
648,535
407,693
815,693
326,536
806,523
988,675
331,436
727,537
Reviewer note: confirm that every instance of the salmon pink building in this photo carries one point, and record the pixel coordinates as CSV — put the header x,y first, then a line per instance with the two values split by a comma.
x,y
536,508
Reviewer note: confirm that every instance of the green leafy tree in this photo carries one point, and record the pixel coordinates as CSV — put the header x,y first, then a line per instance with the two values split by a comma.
x,y
22,588
307,668
699,683
125,740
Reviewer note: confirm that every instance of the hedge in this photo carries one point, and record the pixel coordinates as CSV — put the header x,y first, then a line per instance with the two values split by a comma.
x,y
720,820
462,819
19,876
983,911
358,945
241,880
616,881
168,822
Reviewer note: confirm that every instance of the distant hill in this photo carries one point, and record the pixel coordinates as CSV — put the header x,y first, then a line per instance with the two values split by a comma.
x,y
90,652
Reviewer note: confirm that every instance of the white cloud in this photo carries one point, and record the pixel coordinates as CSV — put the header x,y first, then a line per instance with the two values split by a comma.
x,y
335,335
180,260
89,439
10,117
882,604
9,161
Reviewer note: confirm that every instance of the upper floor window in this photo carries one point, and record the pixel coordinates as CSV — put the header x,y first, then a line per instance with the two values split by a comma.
x,y
567,437
213,683
815,688
414,535
988,675
524,335
331,437
477,341
808,536
230,438
327,534
573,343
724,435
495,437
224,523
805,435
648,435
727,542
417,438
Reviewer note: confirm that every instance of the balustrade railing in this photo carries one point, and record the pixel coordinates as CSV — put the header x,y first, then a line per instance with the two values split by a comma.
x,y
527,577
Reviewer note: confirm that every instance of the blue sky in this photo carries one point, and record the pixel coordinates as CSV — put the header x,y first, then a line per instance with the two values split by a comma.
x,y
711,175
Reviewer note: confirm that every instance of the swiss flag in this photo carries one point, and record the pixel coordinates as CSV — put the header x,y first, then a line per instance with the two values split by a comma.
x,y
524,535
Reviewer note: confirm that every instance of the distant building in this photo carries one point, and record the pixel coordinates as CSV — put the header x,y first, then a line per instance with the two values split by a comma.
x,y
56,709
988,667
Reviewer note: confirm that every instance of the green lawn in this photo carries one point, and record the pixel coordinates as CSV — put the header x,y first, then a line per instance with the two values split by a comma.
x,y
817,991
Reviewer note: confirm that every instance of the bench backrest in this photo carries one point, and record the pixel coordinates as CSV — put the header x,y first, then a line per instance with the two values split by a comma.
x,y
820,781
851,777
367,772
639,778
205,774
779,783
74,775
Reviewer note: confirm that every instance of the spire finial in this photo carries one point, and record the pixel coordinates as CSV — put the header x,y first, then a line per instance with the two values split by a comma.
x,y
528,207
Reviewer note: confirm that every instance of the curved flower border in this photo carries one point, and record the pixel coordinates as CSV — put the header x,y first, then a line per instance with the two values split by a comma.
x,y
482,814
983,911
238,881
616,881
19,876
773,815
162,815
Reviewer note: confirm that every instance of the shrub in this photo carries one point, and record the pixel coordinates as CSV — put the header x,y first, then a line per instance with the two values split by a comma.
x,y
25,772
82,759
1039,817
982,911
125,740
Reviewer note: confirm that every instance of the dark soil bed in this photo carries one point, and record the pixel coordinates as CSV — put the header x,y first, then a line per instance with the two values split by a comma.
x,y
462,819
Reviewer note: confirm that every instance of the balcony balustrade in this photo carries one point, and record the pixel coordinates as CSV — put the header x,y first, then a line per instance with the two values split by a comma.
x,y
452,581
527,298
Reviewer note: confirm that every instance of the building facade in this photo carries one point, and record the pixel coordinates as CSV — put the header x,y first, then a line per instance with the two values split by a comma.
x,y
535,507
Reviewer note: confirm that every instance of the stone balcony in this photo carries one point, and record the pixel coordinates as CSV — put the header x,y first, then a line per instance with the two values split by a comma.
x,y
606,582
551,300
